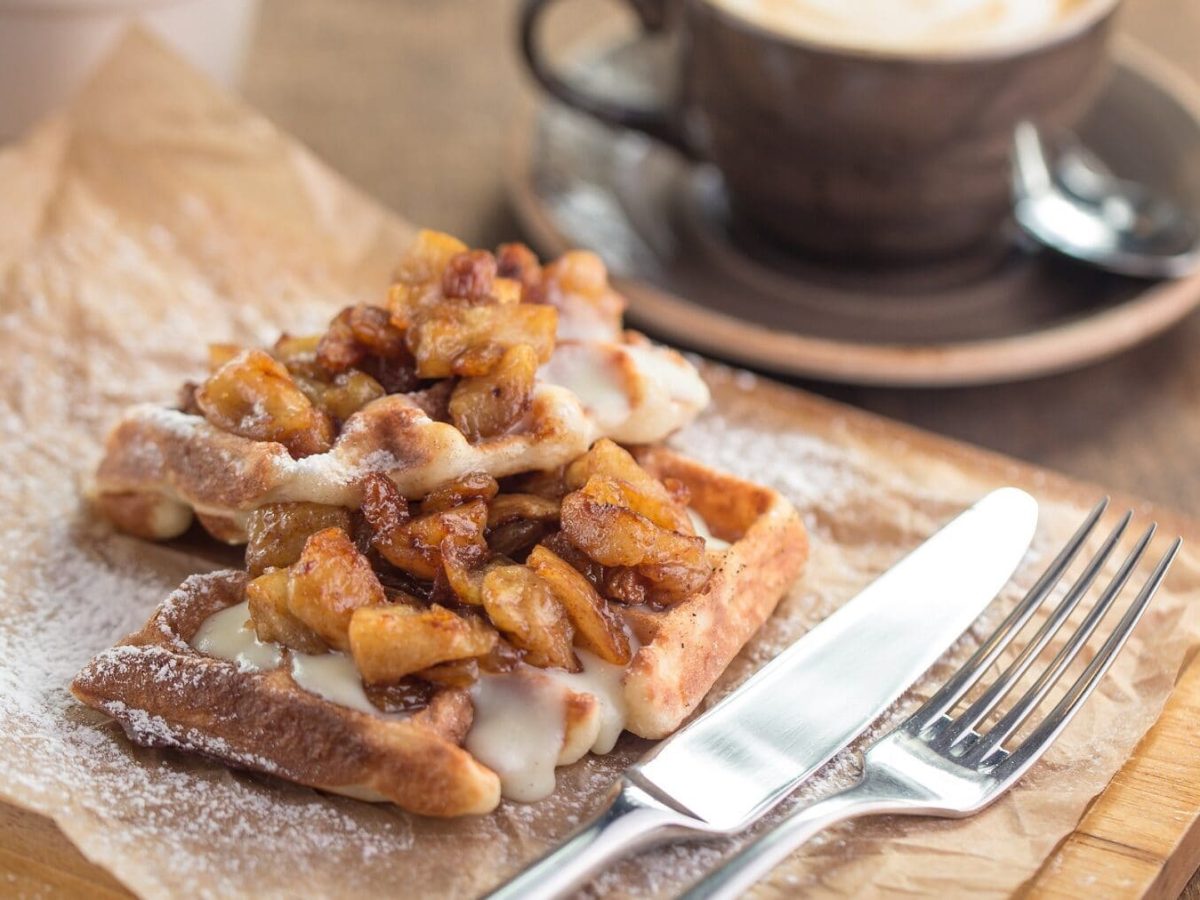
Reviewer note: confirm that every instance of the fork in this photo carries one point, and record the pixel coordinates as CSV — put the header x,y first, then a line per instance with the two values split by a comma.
x,y
937,764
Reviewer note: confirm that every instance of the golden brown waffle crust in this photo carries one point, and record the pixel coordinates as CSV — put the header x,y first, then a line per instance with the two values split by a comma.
x,y
165,693
687,647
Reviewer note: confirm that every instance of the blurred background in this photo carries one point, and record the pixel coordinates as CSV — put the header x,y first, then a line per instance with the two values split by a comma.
x,y
416,102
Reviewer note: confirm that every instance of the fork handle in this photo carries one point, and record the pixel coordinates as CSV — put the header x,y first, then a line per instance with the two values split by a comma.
x,y
756,859
632,819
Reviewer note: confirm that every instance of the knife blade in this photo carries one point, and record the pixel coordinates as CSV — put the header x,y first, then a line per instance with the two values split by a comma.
x,y
740,758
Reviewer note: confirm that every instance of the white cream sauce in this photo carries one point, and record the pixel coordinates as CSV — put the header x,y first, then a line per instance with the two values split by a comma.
x,y
603,681
633,393
589,372
517,731
229,634
334,677
711,541
519,726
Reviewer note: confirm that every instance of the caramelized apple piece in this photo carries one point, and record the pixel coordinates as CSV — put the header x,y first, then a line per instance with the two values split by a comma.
x,y
472,486
518,262
615,535
510,507
390,642
597,628
418,279
253,395
523,607
415,545
579,272
277,532
648,562
456,338
267,597
464,565
577,283
643,493
329,582
350,392
506,291
303,349
459,673
488,405
356,333
469,275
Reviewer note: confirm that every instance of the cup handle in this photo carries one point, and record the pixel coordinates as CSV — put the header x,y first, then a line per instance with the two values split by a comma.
x,y
657,123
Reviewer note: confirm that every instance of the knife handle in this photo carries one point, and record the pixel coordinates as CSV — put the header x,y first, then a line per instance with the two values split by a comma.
x,y
630,820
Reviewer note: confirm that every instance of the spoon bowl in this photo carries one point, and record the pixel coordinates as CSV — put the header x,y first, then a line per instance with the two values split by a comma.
x,y
1077,208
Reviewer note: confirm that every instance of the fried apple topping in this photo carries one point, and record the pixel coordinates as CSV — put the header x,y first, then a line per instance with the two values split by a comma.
x,y
267,598
253,395
487,405
521,604
597,628
329,582
461,332
638,489
278,532
390,642
475,576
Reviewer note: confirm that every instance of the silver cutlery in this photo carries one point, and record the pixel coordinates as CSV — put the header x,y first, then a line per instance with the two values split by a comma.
x,y
938,763
1072,205
738,760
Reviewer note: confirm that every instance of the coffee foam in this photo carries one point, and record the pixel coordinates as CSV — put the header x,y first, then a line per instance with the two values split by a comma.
x,y
913,26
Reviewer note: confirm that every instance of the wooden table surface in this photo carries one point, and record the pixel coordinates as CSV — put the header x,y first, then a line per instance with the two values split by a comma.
x,y
413,101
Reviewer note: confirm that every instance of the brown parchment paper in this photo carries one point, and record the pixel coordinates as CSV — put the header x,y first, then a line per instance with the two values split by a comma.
x,y
159,214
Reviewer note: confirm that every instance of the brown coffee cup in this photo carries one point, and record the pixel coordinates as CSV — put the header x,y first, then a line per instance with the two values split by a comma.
x,y
871,155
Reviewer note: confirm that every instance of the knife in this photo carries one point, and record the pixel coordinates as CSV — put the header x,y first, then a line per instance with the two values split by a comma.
x,y
739,759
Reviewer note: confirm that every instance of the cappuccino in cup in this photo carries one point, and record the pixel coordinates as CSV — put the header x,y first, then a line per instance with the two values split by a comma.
x,y
867,131
912,26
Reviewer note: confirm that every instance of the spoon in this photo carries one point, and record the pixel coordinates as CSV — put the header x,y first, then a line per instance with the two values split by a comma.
x,y
1082,211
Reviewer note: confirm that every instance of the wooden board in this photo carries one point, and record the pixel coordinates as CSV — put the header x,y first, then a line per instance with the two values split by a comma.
x,y
1106,856
1139,839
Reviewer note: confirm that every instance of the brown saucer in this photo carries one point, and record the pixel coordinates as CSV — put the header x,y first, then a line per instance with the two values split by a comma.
x,y
694,278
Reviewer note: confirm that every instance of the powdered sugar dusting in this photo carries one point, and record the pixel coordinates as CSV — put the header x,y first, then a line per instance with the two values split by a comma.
x,y
150,234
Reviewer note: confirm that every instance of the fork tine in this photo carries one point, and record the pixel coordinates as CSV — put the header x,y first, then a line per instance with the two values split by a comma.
x,y
1023,708
974,668
982,707
1031,749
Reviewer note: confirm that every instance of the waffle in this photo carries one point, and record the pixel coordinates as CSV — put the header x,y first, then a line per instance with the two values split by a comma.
x,y
165,693
161,464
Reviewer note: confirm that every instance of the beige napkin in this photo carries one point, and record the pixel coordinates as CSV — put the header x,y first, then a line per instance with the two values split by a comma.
x,y
159,214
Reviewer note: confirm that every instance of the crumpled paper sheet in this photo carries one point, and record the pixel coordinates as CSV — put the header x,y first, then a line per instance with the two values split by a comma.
x,y
159,214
